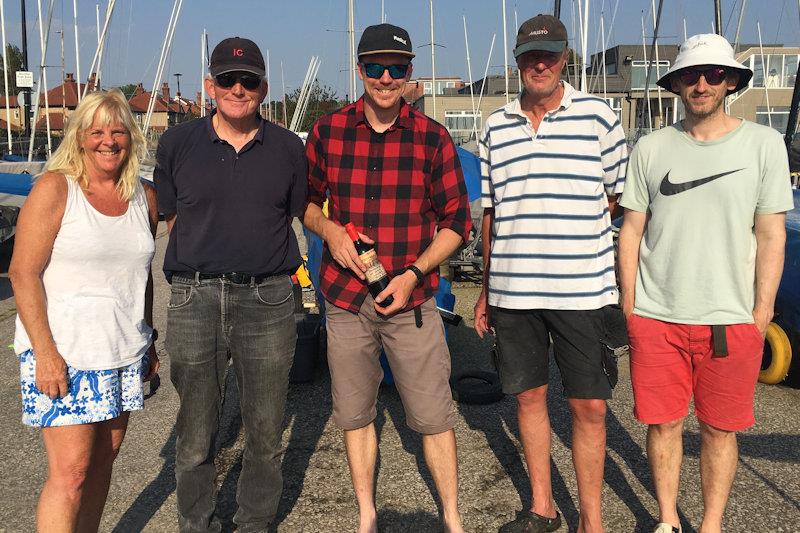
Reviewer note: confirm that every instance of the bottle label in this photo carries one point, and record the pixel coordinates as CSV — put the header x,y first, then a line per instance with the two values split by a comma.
x,y
375,270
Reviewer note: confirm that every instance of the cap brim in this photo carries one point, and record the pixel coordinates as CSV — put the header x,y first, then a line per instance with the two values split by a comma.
x,y
398,52
223,69
745,74
544,46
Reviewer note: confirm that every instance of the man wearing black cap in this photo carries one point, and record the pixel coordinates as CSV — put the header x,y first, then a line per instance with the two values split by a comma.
x,y
552,162
229,185
394,174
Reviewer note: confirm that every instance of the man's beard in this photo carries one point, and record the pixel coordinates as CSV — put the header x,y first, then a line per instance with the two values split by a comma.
x,y
704,113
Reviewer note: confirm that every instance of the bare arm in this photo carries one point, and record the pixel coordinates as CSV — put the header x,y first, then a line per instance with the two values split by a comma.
x,y
770,233
482,325
170,220
38,224
630,238
613,206
152,209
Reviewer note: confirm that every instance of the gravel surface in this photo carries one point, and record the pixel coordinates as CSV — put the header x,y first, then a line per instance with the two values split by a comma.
x,y
317,494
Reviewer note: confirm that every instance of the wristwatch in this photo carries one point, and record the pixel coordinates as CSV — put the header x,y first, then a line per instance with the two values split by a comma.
x,y
417,272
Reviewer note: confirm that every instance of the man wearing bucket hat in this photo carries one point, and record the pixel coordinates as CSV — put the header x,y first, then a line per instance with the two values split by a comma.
x,y
229,185
394,174
701,256
552,162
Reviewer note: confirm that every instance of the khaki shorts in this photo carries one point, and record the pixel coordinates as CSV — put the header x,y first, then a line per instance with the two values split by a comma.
x,y
418,357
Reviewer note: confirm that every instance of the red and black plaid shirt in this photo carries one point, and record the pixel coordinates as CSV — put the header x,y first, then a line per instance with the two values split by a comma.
x,y
397,187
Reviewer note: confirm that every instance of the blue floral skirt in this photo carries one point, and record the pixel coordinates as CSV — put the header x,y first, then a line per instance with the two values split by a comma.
x,y
94,395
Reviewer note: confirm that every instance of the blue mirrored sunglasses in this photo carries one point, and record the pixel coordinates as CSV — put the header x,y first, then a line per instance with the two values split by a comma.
x,y
376,70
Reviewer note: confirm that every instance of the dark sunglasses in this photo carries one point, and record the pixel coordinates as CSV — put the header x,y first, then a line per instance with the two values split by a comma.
x,y
229,79
376,70
713,75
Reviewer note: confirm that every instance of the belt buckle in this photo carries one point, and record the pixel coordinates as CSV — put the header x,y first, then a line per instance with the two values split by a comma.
x,y
234,277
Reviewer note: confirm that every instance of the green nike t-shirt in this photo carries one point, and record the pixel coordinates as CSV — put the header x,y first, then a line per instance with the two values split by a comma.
x,y
698,252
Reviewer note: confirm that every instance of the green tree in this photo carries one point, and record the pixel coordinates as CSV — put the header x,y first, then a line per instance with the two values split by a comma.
x,y
127,89
322,100
14,63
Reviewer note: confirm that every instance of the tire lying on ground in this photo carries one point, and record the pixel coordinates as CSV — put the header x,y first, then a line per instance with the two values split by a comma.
x,y
778,345
476,387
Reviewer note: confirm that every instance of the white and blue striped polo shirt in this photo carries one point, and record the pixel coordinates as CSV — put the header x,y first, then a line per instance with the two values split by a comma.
x,y
551,238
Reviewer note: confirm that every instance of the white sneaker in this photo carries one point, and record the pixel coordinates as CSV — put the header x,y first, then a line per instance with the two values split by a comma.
x,y
663,527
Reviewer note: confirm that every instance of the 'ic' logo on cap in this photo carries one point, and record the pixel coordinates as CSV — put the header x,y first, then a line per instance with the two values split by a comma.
x,y
238,52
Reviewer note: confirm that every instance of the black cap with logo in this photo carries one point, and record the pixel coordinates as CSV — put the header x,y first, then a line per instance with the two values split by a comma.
x,y
542,32
236,54
384,39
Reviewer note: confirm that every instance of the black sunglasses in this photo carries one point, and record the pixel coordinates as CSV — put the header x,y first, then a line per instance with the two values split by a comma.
x,y
376,70
713,75
229,79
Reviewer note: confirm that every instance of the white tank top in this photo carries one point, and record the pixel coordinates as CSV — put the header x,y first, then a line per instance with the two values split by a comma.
x,y
95,282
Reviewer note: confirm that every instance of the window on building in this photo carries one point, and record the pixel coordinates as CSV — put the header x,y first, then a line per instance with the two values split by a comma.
x,y
639,73
462,120
776,116
428,88
780,72
615,102
789,70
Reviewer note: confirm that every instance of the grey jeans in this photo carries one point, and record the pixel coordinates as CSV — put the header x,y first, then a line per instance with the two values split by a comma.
x,y
207,320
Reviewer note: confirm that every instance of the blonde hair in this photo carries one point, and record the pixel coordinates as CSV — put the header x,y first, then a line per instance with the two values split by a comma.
x,y
101,108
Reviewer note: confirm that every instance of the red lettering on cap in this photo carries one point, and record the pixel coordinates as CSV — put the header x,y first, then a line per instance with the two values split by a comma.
x,y
238,52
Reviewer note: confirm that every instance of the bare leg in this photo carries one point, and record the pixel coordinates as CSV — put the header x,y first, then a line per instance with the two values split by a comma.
x,y
534,429
440,456
106,448
69,452
665,454
362,451
588,457
718,456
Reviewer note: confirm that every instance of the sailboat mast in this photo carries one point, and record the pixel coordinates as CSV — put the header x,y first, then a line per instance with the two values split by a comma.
x,y
26,111
469,73
433,64
5,75
505,49
77,47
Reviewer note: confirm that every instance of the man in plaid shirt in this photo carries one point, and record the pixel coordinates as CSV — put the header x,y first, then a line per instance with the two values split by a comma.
x,y
394,173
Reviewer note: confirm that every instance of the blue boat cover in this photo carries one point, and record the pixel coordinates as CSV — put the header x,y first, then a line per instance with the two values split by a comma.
x,y
787,304
471,166
19,184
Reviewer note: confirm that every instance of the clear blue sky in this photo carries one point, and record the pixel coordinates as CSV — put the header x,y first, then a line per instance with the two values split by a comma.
x,y
294,30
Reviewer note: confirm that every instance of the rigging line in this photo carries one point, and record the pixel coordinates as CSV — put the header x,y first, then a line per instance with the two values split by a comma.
x,y
128,39
730,16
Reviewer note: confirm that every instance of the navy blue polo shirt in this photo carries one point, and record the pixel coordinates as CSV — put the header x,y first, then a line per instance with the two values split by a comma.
x,y
233,210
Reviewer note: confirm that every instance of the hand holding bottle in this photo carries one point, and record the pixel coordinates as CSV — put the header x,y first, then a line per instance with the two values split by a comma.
x,y
343,250
374,273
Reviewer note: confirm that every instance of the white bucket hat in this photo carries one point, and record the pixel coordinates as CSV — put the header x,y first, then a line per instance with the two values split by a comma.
x,y
707,49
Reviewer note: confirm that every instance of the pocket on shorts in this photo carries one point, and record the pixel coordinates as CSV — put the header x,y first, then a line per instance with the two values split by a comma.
x,y
615,341
179,296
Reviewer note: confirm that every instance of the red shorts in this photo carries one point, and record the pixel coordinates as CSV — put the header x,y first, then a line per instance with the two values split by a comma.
x,y
671,362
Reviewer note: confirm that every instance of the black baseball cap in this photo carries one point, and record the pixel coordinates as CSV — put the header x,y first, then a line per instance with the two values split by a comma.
x,y
542,32
384,39
236,54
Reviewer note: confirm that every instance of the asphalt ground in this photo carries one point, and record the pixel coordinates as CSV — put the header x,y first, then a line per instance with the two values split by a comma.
x,y
317,495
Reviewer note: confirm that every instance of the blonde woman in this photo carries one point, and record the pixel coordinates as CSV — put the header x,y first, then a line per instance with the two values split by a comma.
x,y
81,278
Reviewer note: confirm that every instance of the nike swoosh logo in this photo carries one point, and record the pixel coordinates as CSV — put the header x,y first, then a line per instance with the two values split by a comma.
x,y
668,188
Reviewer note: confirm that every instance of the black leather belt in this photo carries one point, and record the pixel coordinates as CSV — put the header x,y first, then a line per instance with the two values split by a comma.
x,y
239,278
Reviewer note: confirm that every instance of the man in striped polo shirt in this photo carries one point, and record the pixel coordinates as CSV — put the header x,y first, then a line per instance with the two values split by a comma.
x,y
553,162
